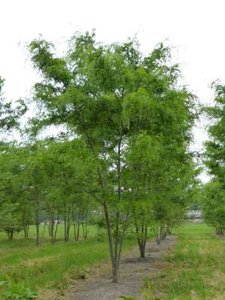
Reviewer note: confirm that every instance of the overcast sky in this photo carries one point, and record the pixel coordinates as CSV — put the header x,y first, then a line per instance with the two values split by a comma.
x,y
194,27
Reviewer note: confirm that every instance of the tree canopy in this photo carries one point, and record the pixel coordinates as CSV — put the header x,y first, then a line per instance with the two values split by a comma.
x,y
132,115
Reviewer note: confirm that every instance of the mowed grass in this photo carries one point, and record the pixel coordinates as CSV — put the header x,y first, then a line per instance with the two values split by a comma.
x,y
49,268
194,269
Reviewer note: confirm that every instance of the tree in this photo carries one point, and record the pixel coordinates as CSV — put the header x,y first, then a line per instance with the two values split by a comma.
x,y
68,172
143,168
213,203
10,213
215,147
33,181
107,95
11,218
9,113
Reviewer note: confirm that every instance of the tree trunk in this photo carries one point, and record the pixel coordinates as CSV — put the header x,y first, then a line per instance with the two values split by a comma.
x,y
26,231
10,234
115,274
142,238
56,230
37,223
67,223
77,231
84,229
157,235
68,231
37,233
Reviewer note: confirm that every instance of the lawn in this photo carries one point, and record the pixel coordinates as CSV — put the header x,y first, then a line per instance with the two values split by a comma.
x,y
48,268
194,269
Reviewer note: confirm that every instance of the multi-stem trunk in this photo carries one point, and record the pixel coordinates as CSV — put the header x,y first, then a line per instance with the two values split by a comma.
x,y
26,219
26,231
76,226
85,230
67,223
115,243
142,233
115,237
51,225
111,244
10,234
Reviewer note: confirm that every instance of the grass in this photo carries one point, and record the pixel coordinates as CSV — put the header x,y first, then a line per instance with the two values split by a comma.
x,y
50,268
194,269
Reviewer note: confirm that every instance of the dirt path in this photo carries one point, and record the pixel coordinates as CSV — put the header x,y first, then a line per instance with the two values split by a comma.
x,y
134,271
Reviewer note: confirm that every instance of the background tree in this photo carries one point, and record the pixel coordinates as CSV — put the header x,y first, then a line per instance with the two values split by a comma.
x,y
213,206
69,172
10,113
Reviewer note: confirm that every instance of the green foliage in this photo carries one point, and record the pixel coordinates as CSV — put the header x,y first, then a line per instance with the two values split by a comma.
x,y
213,205
213,202
135,120
10,219
127,128
17,291
9,114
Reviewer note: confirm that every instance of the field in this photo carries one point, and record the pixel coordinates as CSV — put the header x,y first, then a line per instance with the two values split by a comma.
x,y
48,268
194,269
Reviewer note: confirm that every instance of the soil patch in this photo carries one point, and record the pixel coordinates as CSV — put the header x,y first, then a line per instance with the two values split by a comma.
x,y
134,273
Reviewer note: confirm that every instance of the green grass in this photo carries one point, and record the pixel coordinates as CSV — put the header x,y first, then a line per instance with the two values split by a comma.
x,y
194,269
50,268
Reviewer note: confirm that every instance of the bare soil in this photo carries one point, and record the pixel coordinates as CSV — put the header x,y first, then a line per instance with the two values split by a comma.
x,y
134,272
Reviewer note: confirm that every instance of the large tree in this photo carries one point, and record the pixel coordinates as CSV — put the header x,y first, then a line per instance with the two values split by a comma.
x,y
108,95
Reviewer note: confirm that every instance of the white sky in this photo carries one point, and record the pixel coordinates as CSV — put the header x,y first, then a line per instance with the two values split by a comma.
x,y
194,27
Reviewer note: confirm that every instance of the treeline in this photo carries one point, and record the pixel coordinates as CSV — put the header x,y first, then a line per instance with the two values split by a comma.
x,y
213,200
45,183
124,154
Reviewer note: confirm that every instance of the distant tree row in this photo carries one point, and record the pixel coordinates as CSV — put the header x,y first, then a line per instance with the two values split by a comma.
x,y
214,191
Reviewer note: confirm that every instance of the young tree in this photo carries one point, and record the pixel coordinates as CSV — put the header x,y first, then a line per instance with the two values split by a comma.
x,y
69,172
13,201
10,113
215,147
143,168
213,204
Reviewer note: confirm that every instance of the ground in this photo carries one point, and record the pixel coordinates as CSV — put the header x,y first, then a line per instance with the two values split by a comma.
x,y
192,268
135,274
